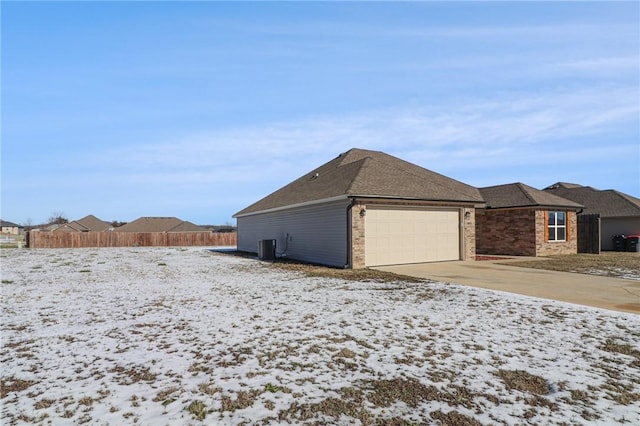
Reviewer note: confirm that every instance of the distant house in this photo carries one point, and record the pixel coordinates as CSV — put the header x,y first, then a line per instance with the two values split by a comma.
x,y
220,228
160,224
86,224
619,212
521,220
365,208
10,228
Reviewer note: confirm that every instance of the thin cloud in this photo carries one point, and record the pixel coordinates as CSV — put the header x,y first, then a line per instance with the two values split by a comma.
x,y
502,127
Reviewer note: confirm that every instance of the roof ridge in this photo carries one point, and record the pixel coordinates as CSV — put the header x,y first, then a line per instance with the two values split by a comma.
x,y
627,198
363,162
523,188
175,226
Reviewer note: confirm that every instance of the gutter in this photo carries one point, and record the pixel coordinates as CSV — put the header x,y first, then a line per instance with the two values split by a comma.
x,y
349,247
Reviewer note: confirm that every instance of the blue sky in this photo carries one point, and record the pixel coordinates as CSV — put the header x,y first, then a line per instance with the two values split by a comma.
x,y
198,109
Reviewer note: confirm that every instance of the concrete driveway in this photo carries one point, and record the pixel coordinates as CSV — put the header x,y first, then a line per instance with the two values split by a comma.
x,y
591,290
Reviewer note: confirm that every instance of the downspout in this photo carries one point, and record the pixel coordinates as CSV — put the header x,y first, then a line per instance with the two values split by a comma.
x,y
349,246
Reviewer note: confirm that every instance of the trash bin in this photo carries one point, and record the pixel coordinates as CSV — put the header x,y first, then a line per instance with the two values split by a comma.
x,y
619,243
267,250
633,243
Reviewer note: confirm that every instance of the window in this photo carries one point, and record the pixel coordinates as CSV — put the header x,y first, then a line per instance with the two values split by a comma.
x,y
557,226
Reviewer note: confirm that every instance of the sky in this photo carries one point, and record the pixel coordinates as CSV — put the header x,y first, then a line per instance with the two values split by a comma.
x,y
198,109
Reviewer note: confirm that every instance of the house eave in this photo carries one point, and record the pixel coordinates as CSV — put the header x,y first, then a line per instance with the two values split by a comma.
x,y
535,206
475,203
292,206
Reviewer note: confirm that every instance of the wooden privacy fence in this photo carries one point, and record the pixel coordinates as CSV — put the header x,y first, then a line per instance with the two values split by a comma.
x,y
589,233
44,239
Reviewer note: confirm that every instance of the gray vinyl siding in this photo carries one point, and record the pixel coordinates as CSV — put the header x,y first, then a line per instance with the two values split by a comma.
x,y
611,226
317,233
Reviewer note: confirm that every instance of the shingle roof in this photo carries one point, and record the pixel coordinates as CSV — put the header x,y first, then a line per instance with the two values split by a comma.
x,y
521,195
68,227
365,173
607,203
566,185
92,223
5,223
186,226
159,224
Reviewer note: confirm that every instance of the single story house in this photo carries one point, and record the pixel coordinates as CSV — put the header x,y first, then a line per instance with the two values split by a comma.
x,y
86,224
520,220
160,224
365,208
10,228
619,212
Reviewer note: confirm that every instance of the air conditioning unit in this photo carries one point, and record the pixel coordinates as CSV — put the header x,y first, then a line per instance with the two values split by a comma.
x,y
267,250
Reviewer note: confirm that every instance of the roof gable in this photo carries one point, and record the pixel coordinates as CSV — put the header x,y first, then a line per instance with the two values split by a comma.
x,y
521,195
68,227
187,226
607,203
92,223
364,173
159,224
150,224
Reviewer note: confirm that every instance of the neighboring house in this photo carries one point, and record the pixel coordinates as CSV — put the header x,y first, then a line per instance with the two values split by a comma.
x,y
10,228
365,208
86,224
220,228
159,224
619,212
523,221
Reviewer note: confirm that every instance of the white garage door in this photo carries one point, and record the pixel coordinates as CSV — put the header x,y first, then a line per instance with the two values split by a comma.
x,y
394,236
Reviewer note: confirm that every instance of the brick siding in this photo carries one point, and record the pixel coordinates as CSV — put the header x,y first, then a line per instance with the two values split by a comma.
x,y
357,236
469,233
520,232
510,232
551,248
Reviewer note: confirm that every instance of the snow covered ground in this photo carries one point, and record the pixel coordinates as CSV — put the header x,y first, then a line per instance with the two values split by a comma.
x,y
174,336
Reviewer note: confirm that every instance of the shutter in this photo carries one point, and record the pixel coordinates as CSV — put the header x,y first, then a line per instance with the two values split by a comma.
x,y
568,236
546,225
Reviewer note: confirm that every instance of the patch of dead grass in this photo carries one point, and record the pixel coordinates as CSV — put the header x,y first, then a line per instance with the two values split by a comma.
x,y
363,275
329,407
13,384
453,418
309,270
128,376
243,399
613,264
611,345
524,381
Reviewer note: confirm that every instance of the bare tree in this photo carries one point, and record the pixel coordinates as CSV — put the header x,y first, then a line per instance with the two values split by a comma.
x,y
58,217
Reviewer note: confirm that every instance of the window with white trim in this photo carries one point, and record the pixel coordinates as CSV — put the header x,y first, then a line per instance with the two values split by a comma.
x,y
557,226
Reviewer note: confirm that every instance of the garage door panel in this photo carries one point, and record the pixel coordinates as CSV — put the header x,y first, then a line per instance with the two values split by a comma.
x,y
395,236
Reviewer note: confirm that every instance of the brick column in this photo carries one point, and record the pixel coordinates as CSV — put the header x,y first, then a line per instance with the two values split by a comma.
x,y
357,236
468,233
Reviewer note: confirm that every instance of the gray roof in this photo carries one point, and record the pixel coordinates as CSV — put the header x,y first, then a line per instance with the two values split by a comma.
x,y
159,224
364,173
607,203
5,223
521,195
